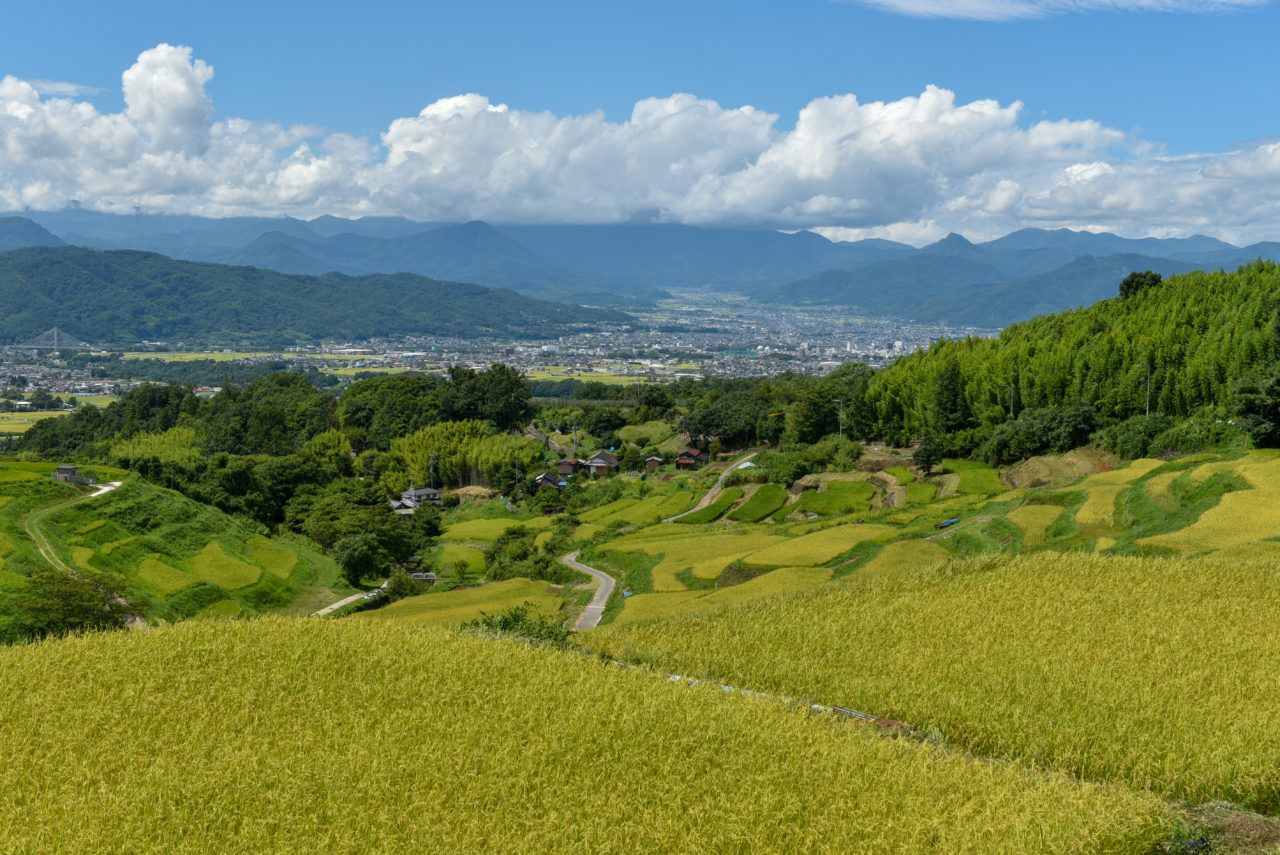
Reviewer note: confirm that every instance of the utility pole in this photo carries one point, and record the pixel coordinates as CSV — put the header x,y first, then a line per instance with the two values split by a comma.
x,y
840,401
1010,387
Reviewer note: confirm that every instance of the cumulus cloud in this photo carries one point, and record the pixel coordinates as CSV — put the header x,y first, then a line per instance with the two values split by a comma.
x,y
910,169
1002,10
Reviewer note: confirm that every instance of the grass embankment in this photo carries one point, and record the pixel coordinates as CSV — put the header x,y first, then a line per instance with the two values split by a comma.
x,y
185,556
417,737
1150,673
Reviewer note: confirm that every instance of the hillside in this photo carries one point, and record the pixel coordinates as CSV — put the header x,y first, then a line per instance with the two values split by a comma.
x,y
471,252
1202,334
126,296
183,558
17,232
348,736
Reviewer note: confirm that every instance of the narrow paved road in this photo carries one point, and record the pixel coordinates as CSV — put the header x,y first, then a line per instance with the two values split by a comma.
x,y
716,488
595,609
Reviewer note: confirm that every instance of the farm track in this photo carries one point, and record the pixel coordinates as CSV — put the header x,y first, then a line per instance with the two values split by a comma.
x,y
31,524
591,615
716,489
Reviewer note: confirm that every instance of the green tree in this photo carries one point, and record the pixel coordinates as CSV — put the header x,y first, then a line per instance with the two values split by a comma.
x,y
52,602
927,454
360,556
1136,282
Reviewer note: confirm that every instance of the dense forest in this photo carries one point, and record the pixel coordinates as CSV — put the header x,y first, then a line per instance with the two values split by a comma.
x,y
128,296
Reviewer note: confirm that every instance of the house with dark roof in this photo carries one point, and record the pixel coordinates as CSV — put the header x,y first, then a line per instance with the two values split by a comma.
x,y
600,463
568,466
414,496
546,479
692,458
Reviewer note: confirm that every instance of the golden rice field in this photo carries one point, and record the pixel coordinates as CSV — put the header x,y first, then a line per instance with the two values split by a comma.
x,y
1239,518
1034,520
904,555
819,547
451,608
1155,674
705,554
1099,509
786,579
1124,475
273,736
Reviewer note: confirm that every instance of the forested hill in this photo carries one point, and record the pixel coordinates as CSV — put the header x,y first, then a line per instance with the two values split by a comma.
x,y
1204,337
126,296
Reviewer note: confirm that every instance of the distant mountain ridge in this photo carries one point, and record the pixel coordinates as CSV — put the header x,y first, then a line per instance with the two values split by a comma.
x,y
989,284
129,295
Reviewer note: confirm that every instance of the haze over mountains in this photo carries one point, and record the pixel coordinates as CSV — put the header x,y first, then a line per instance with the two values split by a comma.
x,y
992,284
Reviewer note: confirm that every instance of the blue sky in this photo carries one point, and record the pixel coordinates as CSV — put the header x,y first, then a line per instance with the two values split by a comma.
x,y
1141,84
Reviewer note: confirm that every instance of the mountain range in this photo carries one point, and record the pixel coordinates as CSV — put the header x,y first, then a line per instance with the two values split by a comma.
x,y
126,296
991,284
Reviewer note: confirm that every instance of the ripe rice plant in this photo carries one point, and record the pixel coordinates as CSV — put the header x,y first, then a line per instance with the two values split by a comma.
x,y
705,554
786,579
214,565
420,739
904,555
1240,517
1152,673
1125,475
451,608
1034,520
1100,508
767,499
811,550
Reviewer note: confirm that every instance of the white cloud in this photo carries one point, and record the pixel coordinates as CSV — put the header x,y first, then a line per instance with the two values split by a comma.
x,y
62,88
1002,10
910,169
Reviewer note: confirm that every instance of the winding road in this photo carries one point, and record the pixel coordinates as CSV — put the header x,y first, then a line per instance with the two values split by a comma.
x,y
716,488
32,525
591,615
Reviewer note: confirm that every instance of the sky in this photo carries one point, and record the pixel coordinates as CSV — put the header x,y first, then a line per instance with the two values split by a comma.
x,y
902,119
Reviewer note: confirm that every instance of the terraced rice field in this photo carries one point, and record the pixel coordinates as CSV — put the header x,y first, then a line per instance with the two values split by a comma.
x,y
1034,520
451,608
715,510
1099,509
1239,518
786,579
491,529
978,478
704,554
905,555
837,497
763,502
1142,672
811,550
468,743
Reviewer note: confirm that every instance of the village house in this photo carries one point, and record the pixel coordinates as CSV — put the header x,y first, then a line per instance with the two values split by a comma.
x,y
414,496
568,466
691,458
652,463
600,463
546,479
